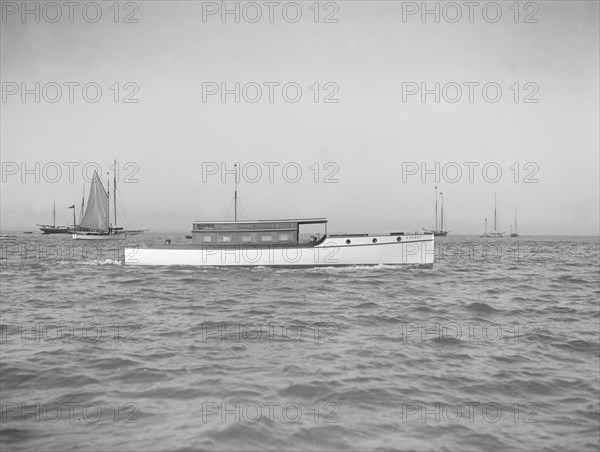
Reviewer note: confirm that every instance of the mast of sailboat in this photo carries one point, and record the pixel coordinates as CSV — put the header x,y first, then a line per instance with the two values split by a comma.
x,y
485,233
74,225
115,190
235,195
436,208
82,204
108,201
54,215
495,226
442,212
515,221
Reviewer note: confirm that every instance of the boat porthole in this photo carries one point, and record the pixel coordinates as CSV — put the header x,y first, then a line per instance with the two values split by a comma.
x,y
399,239
374,240
348,242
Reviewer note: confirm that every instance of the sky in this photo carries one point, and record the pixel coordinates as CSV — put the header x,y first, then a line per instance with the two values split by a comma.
x,y
358,143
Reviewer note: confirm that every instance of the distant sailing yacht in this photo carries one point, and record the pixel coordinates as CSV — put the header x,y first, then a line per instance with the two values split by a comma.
x,y
515,234
53,229
95,223
438,232
485,234
495,233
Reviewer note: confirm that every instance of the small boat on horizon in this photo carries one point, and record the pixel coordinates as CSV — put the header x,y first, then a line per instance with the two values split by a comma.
x,y
514,234
435,231
495,233
53,229
95,223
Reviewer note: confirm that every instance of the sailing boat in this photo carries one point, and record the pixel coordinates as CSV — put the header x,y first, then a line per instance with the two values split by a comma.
x,y
53,229
438,232
495,233
515,234
485,234
95,223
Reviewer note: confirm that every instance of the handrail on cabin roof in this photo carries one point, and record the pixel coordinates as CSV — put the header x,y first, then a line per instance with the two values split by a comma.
x,y
296,220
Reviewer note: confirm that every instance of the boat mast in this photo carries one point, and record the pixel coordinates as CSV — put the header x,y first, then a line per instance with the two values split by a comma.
x,y
115,190
235,195
54,215
82,204
442,212
515,221
436,208
495,228
485,233
108,202
74,225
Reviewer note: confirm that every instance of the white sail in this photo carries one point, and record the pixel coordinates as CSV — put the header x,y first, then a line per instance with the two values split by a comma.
x,y
96,212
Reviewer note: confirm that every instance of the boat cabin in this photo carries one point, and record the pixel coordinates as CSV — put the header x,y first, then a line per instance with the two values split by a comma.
x,y
264,232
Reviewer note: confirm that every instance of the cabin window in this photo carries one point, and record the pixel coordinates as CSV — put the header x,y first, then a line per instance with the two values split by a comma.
x,y
374,240
266,238
348,242
207,238
204,226
399,239
266,226
246,238
284,237
285,225
226,238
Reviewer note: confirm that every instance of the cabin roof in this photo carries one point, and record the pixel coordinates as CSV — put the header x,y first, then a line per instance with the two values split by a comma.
x,y
296,220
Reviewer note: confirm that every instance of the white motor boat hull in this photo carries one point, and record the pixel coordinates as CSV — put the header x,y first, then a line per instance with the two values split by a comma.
x,y
404,250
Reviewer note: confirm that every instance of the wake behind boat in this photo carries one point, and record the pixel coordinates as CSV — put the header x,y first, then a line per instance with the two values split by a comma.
x,y
95,223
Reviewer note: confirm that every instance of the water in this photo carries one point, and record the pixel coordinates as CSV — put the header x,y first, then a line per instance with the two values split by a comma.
x,y
497,347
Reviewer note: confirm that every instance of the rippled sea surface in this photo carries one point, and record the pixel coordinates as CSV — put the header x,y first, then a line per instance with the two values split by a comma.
x,y
496,347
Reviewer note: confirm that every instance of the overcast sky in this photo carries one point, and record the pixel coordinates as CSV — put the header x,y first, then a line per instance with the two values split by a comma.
x,y
543,127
